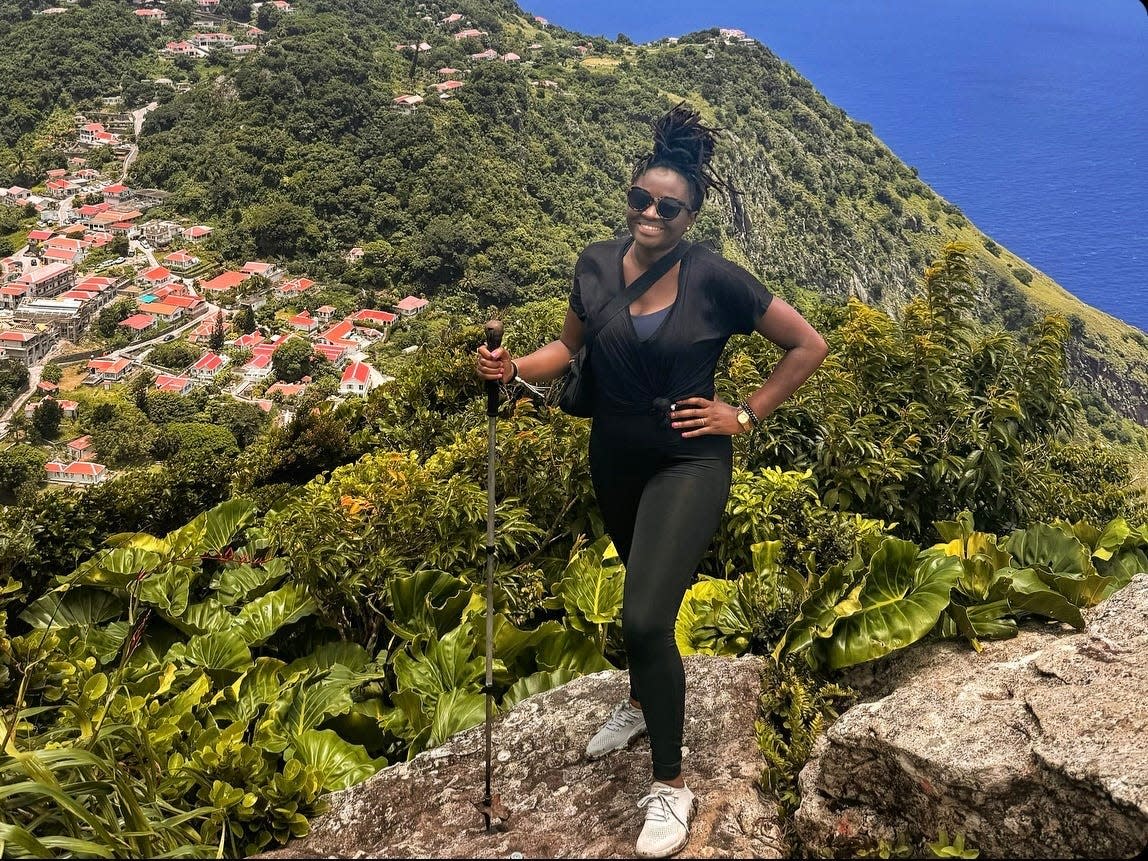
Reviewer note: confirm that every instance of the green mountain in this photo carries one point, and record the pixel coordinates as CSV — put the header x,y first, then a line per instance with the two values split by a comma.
x,y
300,152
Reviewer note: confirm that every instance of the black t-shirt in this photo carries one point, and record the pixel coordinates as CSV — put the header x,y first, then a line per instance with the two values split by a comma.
x,y
716,299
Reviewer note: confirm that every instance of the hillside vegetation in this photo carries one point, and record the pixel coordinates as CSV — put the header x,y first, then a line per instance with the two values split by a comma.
x,y
193,652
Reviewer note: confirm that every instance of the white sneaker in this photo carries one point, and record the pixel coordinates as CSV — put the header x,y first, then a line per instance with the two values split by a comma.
x,y
623,726
668,814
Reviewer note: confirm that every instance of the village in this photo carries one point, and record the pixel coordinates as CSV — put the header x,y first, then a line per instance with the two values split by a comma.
x,y
54,289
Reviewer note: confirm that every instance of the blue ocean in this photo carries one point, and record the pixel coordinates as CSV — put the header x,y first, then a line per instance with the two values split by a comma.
x,y
1029,115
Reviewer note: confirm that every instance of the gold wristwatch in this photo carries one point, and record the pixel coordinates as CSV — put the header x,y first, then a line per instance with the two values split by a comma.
x,y
745,420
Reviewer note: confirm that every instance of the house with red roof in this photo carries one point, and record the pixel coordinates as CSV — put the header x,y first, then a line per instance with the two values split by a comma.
x,y
304,322
294,287
155,16
488,54
48,280
155,277
138,323
288,390
115,193
46,387
180,261
337,334
229,280
108,369
199,231
62,255
358,379
11,295
411,305
173,383
323,313
447,87
407,100
38,236
268,270
469,33
208,366
70,409
79,472
162,311
187,303
246,342
28,347
333,353
372,319
259,368
81,448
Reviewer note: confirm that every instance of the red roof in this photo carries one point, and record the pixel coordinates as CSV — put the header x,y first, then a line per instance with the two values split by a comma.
x,y
158,273
295,285
139,322
358,372
80,467
96,283
197,232
249,340
412,303
118,188
81,443
338,332
303,321
39,235
179,257
169,383
210,362
226,281
108,365
259,361
384,318
333,353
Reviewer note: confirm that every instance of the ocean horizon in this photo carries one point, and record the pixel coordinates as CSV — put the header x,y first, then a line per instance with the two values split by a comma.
x,y
1031,116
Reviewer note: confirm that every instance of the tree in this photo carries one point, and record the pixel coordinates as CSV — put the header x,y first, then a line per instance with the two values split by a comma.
x,y
46,418
120,246
113,315
293,361
217,337
174,355
52,373
244,420
20,465
245,320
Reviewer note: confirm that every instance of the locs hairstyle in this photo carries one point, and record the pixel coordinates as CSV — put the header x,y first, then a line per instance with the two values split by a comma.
x,y
685,145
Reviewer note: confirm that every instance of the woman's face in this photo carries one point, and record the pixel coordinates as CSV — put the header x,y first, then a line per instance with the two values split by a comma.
x,y
650,231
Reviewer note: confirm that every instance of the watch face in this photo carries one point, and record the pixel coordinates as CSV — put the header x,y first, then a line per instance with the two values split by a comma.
x,y
743,418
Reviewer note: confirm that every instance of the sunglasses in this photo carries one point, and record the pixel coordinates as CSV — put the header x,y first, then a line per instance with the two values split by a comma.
x,y
668,208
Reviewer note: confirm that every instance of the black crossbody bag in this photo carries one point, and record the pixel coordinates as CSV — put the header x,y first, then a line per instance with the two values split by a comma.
x,y
577,394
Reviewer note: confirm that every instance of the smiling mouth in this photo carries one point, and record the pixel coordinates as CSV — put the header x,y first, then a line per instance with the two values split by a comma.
x,y
654,228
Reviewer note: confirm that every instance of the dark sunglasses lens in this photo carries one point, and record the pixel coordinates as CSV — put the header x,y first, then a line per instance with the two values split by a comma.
x,y
638,199
668,208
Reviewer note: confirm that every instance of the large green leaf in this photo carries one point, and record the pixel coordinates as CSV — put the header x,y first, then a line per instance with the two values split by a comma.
x,y
446,665
235,583
711,620
263,617
1028,593
167,587
593,583
427,604
571,650
535,683
340,763
74,608
832,597
901,599
350,655
1045,546
218,650
205,617
1122,567
256,689
117,568
978,622
303,705
455,711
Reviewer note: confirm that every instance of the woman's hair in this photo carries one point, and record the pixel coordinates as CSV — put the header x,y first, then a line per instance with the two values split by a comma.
x,y
685,145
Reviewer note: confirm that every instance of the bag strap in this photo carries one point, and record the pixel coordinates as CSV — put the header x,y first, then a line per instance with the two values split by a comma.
x,y
639,286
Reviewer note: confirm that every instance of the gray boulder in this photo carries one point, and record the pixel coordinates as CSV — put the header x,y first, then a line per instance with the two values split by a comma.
x,y
560,805
1035,748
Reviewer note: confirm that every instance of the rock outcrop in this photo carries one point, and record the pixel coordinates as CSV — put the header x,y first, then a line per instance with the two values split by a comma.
x,y
560,804
1035,748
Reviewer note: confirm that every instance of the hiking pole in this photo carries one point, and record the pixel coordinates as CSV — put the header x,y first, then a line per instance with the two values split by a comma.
x,y
491,806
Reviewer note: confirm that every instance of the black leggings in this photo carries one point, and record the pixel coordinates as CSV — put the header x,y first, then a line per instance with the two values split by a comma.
x,y
662,498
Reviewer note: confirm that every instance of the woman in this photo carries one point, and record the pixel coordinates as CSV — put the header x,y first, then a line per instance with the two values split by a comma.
x,y
660,444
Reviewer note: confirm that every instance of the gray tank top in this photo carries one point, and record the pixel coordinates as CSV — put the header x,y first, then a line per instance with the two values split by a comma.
x,y
646,324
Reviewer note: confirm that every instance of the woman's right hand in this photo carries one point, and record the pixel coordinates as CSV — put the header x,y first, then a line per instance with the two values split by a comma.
x,y
493,365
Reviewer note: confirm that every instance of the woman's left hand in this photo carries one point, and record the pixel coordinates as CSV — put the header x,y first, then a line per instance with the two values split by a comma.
x,y
699,417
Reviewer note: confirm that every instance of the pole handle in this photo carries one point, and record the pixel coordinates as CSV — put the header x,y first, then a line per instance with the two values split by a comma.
x,y
494,332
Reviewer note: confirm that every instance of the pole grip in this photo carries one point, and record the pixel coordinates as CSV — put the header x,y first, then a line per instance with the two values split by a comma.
x,y
493,342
